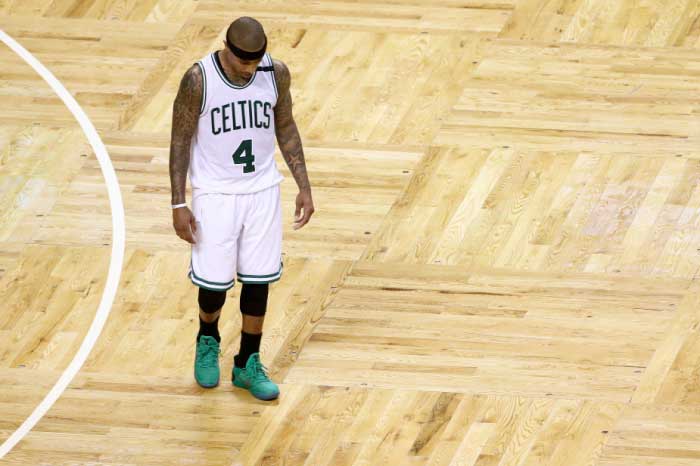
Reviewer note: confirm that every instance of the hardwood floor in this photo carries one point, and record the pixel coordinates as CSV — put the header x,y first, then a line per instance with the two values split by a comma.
x,y
501,269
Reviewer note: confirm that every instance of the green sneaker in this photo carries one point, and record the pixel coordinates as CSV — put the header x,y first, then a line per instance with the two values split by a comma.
x,y
254,378
206,363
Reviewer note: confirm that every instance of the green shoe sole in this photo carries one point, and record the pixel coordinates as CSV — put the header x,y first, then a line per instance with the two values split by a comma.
x,y
204,385
238,384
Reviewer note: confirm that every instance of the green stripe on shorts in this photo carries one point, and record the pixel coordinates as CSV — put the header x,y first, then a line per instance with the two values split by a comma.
x,y
215,286
273,277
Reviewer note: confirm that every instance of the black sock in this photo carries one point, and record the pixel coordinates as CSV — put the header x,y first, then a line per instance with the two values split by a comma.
x,y
250,344
210,329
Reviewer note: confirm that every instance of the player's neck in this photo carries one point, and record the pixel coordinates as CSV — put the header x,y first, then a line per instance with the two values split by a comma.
x,y
229,72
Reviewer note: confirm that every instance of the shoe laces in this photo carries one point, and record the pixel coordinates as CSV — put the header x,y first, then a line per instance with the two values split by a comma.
x,y
259,371
208,354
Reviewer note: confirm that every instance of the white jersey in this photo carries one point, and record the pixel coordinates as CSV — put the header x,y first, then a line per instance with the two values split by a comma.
x,y
232,151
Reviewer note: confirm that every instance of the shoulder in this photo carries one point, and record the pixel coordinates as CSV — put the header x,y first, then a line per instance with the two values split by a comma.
x,y
193,75
282,75
192,80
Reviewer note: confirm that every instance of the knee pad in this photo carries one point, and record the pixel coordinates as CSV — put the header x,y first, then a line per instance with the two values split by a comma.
x,y
254,299
211,301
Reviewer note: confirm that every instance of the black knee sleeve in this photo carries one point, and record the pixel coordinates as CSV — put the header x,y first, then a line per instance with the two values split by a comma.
x,y
211,301
254,299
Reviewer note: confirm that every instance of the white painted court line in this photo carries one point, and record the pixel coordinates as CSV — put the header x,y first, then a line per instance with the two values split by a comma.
x,y
118,234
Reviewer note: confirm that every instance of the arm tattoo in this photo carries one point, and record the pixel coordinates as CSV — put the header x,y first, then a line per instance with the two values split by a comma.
x,y
185,117
286,128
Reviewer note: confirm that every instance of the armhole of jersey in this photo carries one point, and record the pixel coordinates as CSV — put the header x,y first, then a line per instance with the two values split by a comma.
x,y
274,77
204,88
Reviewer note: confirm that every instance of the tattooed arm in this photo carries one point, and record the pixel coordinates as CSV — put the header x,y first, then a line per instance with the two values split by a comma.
x,y
290,144
185,117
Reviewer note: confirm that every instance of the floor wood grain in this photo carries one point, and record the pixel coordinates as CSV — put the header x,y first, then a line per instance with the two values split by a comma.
x,y
501,269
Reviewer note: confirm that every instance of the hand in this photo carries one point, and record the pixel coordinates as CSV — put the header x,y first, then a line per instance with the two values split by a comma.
x,y
304,202
184,224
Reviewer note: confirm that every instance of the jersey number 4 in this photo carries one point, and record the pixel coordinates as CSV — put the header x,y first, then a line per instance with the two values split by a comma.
x,y
244,155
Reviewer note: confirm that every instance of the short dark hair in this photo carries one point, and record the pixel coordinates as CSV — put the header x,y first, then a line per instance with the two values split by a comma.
x,y
247,34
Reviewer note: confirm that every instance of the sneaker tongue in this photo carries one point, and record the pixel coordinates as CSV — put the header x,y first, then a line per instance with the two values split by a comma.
x,y
254,360
256,368
209,341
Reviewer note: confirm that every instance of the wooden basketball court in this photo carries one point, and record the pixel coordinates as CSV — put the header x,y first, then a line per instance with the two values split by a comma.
x,y
501,269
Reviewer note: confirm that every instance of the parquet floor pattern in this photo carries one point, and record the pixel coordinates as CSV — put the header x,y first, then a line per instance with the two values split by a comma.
x,y
501,269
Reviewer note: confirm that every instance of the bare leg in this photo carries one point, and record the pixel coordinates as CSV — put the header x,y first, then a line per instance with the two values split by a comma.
x,y
208,318
252,324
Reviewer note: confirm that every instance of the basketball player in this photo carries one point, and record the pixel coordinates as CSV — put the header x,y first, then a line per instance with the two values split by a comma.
x,y
230,107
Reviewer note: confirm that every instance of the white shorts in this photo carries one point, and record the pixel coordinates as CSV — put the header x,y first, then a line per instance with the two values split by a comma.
x,y
238,235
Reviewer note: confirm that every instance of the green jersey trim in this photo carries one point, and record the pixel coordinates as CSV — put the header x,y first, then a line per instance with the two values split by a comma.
x,y
204,88
274,77
220,70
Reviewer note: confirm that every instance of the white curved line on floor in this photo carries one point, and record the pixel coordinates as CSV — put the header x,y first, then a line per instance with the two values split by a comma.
x,y
118,236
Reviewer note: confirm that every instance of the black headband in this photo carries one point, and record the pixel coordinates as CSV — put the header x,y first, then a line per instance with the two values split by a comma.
x,y
243,55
